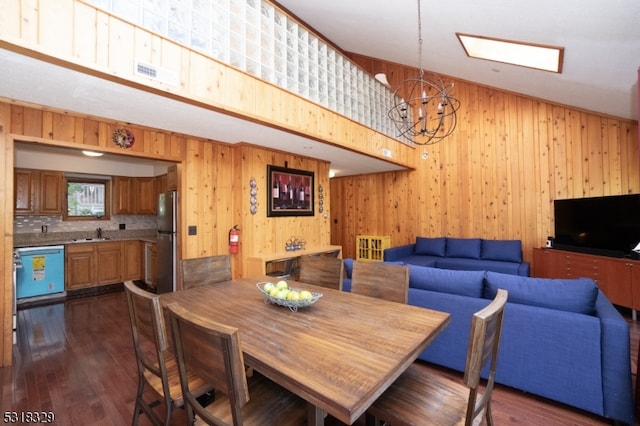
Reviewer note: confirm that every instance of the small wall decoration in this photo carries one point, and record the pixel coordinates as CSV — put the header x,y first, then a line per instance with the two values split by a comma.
x,y
253,192
123,138
290,193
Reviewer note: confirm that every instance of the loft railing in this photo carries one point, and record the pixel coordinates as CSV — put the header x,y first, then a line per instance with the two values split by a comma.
x,y
257,37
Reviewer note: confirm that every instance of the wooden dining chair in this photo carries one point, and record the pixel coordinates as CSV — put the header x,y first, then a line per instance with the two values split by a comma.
x,y
382,280
205,270
157,368
213,351
322,271
425,398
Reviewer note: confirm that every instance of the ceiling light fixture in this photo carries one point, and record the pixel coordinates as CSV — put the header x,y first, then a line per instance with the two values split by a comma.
x,y
536,56
92,153
424,112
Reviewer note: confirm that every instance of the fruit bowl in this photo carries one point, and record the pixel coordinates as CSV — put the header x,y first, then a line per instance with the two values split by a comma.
x,y
292,304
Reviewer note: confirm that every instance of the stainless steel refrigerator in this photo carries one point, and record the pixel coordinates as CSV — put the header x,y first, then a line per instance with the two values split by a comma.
x,y
167,209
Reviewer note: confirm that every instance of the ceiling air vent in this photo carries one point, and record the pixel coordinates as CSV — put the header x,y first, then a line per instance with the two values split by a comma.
x,y
153,72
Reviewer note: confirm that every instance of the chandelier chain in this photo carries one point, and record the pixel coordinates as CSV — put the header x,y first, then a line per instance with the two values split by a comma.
x,y
420,40
423,110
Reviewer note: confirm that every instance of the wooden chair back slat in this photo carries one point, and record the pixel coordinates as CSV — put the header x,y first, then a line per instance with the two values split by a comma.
x,y
213,351
205,270
147,321
382,280
322,271
486,331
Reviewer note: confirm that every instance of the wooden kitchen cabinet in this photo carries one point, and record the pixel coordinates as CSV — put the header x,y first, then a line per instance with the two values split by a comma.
x,y
123,195
80,266
109,261
24,191
619,279
38,192
146,199
161,184
134,195
132,260
172,178
101,263
52,192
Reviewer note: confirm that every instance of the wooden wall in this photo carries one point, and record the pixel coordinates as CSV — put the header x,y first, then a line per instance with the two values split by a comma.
x,y
261,234
495,177
6,238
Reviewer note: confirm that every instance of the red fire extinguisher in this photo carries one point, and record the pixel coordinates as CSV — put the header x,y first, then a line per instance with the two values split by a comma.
x,y
234,239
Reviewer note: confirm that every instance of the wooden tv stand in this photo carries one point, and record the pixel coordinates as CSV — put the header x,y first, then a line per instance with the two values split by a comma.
x,y
618,278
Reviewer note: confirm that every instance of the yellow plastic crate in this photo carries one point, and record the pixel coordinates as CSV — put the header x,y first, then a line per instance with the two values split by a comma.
x,y
371,248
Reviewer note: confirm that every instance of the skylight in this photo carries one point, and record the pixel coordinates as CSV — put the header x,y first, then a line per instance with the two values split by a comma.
x,y
537,56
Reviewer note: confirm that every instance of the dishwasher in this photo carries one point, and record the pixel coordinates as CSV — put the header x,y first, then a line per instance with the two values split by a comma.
x,y
42,271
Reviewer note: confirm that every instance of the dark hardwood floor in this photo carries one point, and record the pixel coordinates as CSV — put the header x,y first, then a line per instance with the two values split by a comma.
x,y
75,359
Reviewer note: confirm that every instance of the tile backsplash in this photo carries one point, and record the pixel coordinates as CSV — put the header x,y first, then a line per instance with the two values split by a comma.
x,y
27,229
27,224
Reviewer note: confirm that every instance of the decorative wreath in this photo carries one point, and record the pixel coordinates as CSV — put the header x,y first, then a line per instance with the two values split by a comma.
x,y
123,138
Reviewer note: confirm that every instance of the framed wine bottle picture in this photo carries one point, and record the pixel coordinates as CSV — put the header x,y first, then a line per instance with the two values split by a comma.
x,y
290,193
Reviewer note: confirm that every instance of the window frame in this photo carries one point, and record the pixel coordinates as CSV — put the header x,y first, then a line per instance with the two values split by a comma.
x,y
87,180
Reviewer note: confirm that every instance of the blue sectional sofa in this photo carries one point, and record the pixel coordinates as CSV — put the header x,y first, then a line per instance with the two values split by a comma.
x,y
469,254
562,339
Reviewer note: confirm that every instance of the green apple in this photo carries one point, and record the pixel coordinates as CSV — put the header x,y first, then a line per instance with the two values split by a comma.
x,y
282,293
282,284
306,295
293,295
267,287
273,292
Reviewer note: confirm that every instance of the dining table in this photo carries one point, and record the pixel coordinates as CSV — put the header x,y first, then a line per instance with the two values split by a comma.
x,y
339,354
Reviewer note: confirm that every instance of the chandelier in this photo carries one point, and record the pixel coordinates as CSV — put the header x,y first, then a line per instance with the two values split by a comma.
x,y
424,112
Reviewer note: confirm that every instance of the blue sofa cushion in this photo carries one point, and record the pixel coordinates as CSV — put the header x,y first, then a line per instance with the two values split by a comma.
x,y
430,246
419,260
503,250
468,248
463,283
572,295
478,265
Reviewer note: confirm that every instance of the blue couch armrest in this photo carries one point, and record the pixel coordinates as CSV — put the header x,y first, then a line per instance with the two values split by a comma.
x,y
524,269
398,253
616,362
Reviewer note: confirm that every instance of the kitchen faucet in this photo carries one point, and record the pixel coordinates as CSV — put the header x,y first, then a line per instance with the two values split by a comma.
x,y
99,232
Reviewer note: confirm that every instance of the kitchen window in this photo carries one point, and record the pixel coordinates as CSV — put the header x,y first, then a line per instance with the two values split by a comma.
x,y
87,198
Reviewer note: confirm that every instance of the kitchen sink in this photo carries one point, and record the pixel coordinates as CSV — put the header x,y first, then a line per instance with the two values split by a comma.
x,y
86,240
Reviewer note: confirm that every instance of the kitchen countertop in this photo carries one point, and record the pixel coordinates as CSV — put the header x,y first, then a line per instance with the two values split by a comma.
x,y
61,238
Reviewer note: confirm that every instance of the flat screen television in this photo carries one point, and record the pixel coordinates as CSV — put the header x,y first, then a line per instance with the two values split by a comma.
x,y
609,226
